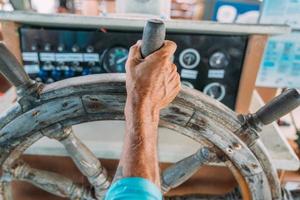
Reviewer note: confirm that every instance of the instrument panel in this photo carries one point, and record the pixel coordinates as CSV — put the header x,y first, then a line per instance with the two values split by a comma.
x,y
209,63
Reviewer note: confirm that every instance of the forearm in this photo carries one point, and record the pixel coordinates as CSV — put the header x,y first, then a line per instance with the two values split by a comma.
x,y
140,157
151,84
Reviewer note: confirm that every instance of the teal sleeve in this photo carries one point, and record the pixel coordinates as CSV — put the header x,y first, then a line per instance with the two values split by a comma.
x,y
133,188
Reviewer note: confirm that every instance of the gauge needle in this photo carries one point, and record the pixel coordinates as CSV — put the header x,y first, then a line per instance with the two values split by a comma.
x,y
122,59
218,61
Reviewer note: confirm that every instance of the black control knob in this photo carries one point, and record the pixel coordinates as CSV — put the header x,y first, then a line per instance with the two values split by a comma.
x,y
34,47
75,48
90,49
47,47
48,66
60,48
76,67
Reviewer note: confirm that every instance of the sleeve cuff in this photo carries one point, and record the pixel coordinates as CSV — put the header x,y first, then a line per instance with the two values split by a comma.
x,y
133,188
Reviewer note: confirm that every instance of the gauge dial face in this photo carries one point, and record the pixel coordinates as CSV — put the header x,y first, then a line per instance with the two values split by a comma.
x,y
187,84
189,58
218,60
114,60
215,90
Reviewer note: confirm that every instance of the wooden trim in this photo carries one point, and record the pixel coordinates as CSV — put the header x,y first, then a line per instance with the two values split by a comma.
x,y
4,85
267,94
254,54
127,22
11,38
10,35
281,175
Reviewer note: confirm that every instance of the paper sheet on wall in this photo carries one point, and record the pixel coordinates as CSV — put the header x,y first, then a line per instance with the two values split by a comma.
x,y
280,66
281,12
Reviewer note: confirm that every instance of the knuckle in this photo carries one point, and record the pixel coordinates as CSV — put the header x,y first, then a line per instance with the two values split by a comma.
x,y
170,43
133,48
136,59
164,54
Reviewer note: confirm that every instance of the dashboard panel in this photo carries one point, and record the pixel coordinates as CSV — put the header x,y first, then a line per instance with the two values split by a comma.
x,y
206,62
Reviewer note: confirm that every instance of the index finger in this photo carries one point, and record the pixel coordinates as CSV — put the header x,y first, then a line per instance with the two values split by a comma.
x,y
134,53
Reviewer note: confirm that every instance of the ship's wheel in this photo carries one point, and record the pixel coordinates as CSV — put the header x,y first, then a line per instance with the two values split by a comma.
x,y
51,111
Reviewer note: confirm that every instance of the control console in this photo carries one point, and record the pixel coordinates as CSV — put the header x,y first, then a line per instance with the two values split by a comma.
x,y
209,63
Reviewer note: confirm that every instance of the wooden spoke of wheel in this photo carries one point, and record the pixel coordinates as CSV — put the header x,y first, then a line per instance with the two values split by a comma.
x,y
234,195
102,97
49,181
85,160
181,171
184,169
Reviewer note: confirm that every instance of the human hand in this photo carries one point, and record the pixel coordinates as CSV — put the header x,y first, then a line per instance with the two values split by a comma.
x,y
152,82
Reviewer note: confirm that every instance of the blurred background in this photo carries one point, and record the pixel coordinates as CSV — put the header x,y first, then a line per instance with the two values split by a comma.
x,y
216,10
224,11
228,65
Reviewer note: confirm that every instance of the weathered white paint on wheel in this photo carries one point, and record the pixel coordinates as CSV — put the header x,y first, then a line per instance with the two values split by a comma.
x,y
38,118
184,169
84,159
192,114
50,182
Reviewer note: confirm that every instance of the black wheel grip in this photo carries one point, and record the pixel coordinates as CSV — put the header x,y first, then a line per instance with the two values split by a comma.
x,y
278,107
153,37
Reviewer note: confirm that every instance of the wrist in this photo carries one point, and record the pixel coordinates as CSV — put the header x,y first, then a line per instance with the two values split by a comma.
x,y
143,110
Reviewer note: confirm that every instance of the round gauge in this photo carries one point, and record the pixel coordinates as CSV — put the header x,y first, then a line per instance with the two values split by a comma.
x,y
189,58
215,90
187,84
114,60
218,60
